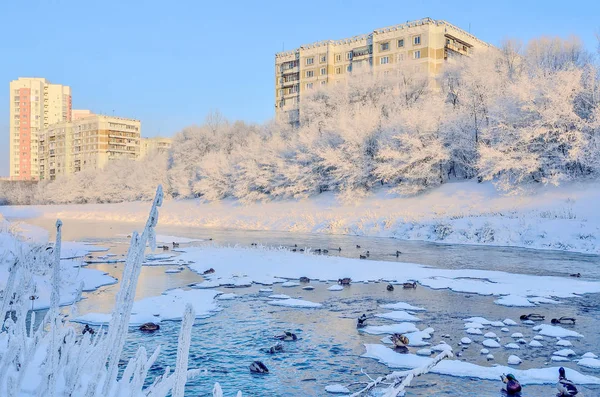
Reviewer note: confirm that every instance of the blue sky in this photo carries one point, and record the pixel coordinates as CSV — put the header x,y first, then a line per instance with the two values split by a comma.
x,y
168,63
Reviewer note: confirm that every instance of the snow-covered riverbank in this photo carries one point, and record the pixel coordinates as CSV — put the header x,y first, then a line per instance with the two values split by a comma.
x,y
563,218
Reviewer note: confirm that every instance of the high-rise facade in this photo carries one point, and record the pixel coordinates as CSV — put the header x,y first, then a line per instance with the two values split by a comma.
x,y
88,142
420,46
154,145
34,105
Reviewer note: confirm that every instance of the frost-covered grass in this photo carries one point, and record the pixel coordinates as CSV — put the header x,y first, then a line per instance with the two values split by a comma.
x,y
562,218
53,359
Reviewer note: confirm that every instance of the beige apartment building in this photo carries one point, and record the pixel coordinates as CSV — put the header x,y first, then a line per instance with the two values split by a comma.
x,y
88,142
154,145
35,104
421,46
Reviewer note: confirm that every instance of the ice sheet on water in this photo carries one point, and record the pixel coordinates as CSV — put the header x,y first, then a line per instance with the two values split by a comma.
x,y
564,353
399,315
337,389
589,362
514,300
514,360
458,368
556,331
166,239
490,343
336,287
257,263
474,331
279,296
168,306
400,328
299,303
402,306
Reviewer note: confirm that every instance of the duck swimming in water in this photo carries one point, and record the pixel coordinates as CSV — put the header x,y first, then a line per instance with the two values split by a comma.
x,y
345,281
563,320
409,285
175,245
275,349
258,367
390,287
576,275
362,257
362,321
209,271
149,327
532,317
287,336
304,280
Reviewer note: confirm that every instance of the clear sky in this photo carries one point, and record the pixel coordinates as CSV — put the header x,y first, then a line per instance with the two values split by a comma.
x,y
168,63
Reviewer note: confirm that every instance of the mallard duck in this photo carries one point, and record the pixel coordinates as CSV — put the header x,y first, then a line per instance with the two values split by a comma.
x,y
362,320
400,341
563,320
398,254
209,271
287,336
362,257
409,285
304,280
149,327
576,275
325,251
275,349
533,317
258,368
318,250
345,281
339,249
165,247
367,254
357,246
390,287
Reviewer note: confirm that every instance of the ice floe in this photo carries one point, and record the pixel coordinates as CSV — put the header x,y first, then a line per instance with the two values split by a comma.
x,y
512,346
589,355
299,303
564,353
589,362
400,328
279,296
511,288
535,343
514,360
459,368
337,389
490,335
402,306
290,284
490,343
424,352
224,297
399,315
508,321
466,341
517,335
564,343
168,306
556,331
559,359
335,287
474,331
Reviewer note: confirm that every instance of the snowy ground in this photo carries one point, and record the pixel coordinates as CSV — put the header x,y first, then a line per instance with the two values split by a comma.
x,y
563,218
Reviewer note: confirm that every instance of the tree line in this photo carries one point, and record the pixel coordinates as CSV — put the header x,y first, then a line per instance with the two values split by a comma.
x,y
517,115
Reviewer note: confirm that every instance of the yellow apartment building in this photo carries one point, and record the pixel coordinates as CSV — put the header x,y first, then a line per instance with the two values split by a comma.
x,y
87,143
154,145
35,104
421,46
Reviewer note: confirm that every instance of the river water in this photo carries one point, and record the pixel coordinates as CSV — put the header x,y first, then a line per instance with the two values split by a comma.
x,y
329,347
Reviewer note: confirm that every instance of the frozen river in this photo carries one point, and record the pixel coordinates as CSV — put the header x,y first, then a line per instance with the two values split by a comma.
x,y
329,348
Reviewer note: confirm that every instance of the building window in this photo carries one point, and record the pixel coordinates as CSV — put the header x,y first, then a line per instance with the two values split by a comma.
x,y
384,46
417,40
280,93
310,61
323,58
323,82
349,68
310,73
323,71
400,43
309,86
338,57
349,55
417,55
384,60
338,70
